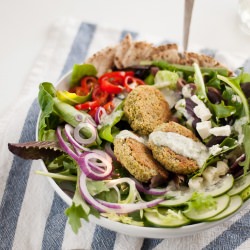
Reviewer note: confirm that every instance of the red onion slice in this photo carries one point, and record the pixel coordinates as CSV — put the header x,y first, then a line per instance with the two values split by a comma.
x,y
99,113
82,140
69,130
133,193
103,154
109,207
109,150
91,121
128,208
152,191
64,145
97,172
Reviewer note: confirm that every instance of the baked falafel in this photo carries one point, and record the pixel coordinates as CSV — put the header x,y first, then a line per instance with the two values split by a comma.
x,y
177,148
145,108
137,158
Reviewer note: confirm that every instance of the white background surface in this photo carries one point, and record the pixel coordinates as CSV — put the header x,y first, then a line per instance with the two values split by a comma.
x,y
24,25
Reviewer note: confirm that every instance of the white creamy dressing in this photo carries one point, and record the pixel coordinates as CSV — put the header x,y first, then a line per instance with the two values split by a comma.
x,y
170,96
238,128
128,134
109,118
181,145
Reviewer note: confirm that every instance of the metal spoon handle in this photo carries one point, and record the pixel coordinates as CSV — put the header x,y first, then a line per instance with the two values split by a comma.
x,y
187,21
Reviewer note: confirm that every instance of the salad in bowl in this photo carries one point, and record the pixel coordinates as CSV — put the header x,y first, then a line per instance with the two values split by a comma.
x,y
145,137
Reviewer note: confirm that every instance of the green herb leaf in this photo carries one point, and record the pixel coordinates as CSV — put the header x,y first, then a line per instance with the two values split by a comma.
x,y
81,70
234,83
75,213
246,145
96,187
79,208
222,111
166,78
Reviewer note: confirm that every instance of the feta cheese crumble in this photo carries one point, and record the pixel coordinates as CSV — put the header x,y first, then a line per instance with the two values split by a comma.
x,y
221,131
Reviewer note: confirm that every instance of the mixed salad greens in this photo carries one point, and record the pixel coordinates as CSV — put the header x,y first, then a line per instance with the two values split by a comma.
x,y
84,120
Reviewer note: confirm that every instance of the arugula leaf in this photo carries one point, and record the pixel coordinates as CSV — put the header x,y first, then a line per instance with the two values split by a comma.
x,y
96,187
65,162
229,95
246,145
213,81
221,110
234,83
81,70
227,145
79,209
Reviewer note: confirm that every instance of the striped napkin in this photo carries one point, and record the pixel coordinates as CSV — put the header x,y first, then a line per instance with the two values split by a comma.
x,y
31,213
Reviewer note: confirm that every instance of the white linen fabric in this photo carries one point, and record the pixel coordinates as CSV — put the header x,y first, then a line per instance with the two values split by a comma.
x,y
31,213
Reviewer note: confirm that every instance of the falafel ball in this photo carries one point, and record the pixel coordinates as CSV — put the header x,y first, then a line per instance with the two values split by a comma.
x,y
145,107
171,160
138,160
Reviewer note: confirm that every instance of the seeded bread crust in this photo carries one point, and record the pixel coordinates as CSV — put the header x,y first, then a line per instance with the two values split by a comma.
x,y
129,53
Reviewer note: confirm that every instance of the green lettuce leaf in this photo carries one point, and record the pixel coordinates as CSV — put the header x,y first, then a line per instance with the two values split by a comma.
x,y
199,82
49,119
166,78
81,70
107,129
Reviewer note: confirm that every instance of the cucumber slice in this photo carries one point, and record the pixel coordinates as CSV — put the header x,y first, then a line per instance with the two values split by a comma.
x,y
239,185
221,187
245,194
234,204
170,218
177,198
204,214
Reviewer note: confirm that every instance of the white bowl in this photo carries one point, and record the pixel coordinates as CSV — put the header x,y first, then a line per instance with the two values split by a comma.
x,y
145,232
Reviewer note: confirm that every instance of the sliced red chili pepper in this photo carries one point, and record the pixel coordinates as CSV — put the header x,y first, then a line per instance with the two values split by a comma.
x,y
109,107
92,112
88,105
99,95
117,75
113,82
88,83
109,87
80,91
130,80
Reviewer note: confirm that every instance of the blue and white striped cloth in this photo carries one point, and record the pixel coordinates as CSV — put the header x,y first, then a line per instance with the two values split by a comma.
x,y
31,213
